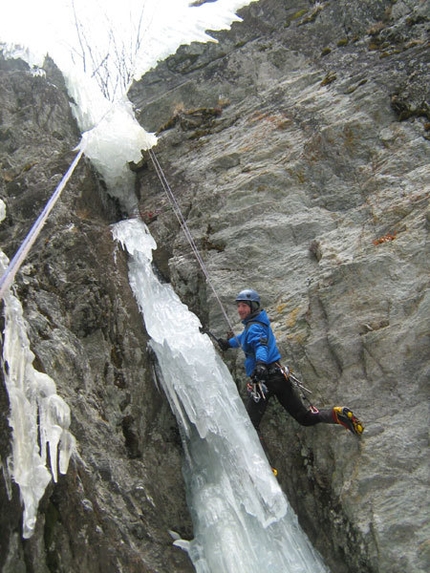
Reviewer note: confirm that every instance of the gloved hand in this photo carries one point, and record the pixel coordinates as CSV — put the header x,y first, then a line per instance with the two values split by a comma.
x,y
260,373
223,344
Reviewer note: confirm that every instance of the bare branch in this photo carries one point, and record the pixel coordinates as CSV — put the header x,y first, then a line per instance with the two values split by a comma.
x,y
114,66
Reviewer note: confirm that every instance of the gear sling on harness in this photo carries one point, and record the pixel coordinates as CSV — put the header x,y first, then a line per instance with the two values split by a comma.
x,y
288,375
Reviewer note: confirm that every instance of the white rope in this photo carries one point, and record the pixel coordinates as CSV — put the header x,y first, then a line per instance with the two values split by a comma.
x,y
14,265
185,228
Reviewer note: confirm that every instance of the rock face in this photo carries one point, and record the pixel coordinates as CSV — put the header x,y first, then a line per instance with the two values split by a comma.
x,y
298,149
123,491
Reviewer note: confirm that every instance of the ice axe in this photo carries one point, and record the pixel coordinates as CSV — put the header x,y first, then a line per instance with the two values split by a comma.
x,y
204,330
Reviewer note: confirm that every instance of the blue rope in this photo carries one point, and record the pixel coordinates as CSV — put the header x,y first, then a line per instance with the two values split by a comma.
x,y
15,264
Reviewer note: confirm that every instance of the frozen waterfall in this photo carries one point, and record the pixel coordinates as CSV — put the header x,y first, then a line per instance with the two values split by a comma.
x,y
242,520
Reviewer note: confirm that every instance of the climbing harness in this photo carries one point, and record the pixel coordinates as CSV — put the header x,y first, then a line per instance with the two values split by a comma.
x,y
185,228
288,375
16,262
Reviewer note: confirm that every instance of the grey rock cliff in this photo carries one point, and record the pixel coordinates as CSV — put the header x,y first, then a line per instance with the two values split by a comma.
x,y
298,149
123,491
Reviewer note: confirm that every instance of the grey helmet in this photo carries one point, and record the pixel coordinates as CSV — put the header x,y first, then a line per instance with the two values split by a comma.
x,y
251,297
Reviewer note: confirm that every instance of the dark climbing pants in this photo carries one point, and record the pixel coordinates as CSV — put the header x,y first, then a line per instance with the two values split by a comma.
x,y
288,397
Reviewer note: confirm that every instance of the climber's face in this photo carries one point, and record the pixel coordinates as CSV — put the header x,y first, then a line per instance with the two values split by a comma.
x,y
243,309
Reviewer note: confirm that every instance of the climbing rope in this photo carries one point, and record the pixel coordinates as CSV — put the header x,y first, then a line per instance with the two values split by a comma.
x,y
185,228
14,265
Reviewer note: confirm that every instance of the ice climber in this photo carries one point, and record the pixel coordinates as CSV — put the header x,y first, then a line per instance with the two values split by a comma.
x,y
268,378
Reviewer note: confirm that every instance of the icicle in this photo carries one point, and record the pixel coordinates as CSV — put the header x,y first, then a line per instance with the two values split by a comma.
x,y
36,411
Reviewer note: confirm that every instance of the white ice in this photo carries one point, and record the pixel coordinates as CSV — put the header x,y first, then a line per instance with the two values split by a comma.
x,y
133,35
126,39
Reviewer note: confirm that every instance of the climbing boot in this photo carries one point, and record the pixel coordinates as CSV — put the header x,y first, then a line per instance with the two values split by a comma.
x,y
346,418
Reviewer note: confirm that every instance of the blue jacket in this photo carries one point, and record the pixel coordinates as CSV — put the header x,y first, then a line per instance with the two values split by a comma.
x,y
257,341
